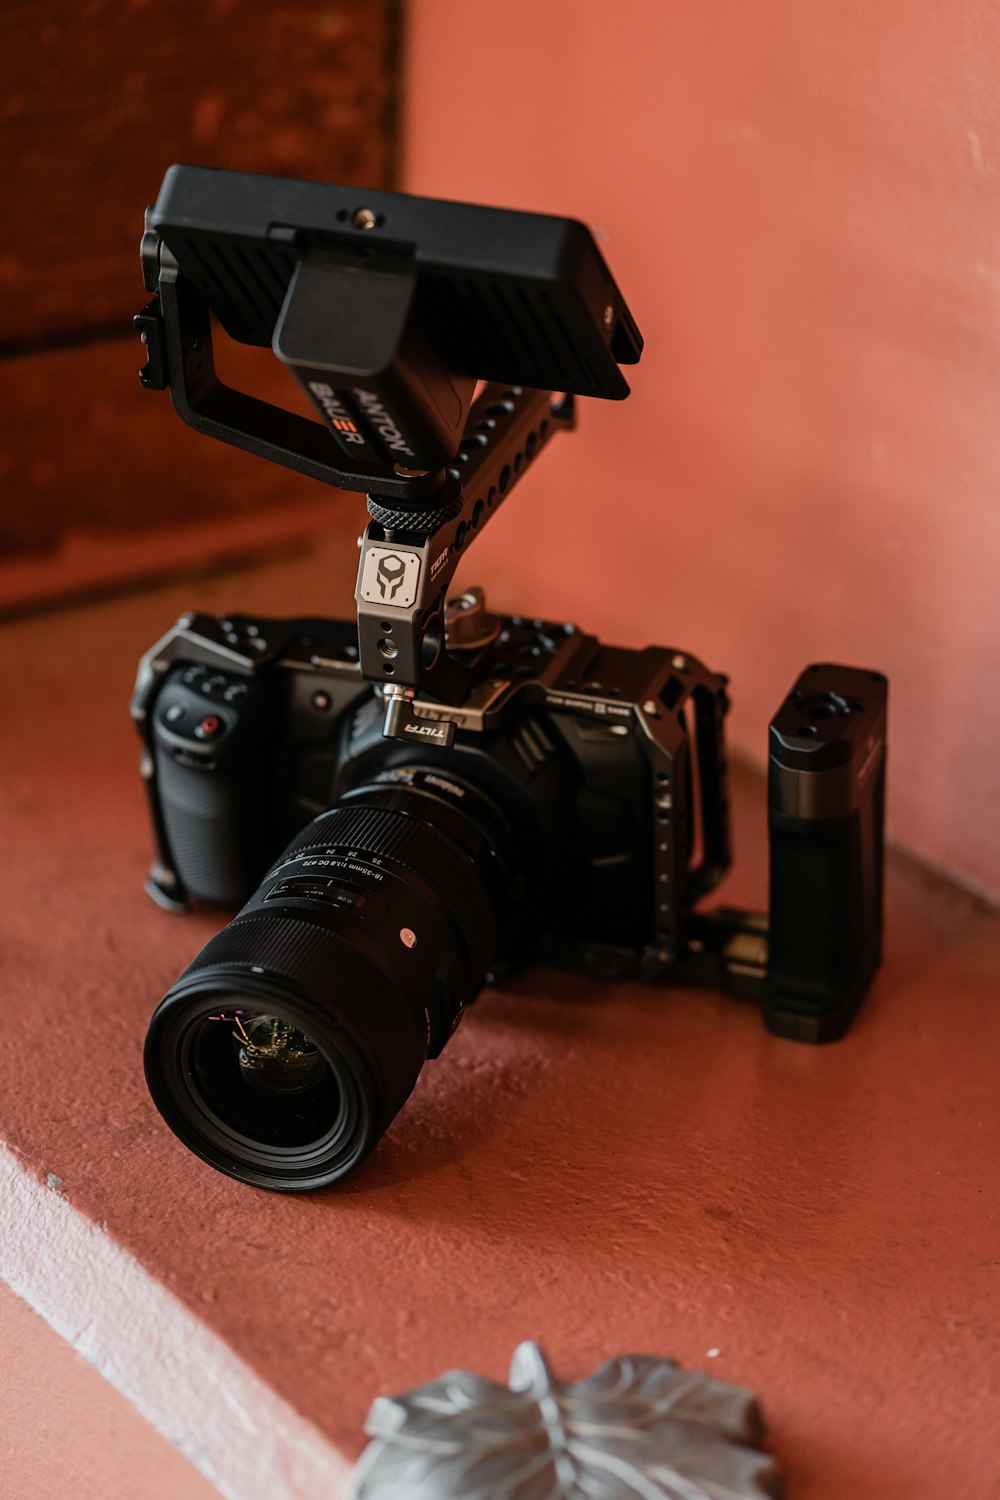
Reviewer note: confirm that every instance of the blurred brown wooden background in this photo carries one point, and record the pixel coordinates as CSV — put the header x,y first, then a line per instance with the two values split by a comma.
x,y
99,480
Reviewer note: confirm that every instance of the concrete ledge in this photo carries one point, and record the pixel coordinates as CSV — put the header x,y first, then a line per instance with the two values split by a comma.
x,y
66,1432
603,1168
165,1359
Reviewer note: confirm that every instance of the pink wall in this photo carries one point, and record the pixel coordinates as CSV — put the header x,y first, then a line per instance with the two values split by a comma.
x,y
803,204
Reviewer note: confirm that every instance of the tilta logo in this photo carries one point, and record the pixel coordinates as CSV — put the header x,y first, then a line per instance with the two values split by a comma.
x,y
432,731
382,422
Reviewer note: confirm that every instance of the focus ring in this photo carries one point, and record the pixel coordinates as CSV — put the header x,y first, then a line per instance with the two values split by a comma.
x,y
410,843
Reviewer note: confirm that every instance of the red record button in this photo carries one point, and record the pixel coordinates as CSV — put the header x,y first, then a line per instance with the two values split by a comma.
x,y
209,728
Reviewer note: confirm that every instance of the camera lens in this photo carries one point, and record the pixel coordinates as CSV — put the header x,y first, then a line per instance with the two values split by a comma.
x,y
285,1050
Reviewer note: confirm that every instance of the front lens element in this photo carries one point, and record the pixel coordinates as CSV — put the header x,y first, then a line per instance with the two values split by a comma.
x,y
274,1057
263,1078
257,1080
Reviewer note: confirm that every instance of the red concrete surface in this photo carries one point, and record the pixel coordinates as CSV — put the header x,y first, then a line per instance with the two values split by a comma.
x,y
602,1168
802,208
66,1434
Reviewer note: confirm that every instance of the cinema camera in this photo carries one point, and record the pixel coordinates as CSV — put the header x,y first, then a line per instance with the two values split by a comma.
x,y
413,804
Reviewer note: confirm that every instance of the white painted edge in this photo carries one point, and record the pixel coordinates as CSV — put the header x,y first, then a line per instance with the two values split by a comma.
x,y
184,1379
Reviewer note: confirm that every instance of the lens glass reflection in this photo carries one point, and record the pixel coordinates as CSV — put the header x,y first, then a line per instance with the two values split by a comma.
x,y
264,1078
275,1058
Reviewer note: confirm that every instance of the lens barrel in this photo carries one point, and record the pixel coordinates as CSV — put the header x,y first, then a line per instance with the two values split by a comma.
x,y
284,1051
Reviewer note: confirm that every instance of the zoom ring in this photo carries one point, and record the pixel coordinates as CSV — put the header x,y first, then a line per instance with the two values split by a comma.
x,y
289,946
408,842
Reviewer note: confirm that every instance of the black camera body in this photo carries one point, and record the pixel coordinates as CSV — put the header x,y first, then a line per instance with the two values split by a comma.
x,y
606,767
411,804
256,727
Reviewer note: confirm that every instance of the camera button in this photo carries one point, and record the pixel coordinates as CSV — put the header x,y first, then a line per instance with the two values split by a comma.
x,y
173,712
210,727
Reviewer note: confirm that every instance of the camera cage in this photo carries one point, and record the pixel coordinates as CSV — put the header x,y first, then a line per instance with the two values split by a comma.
x,y
440,296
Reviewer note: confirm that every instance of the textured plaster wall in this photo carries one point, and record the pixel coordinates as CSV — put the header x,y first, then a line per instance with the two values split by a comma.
x,y
803,209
